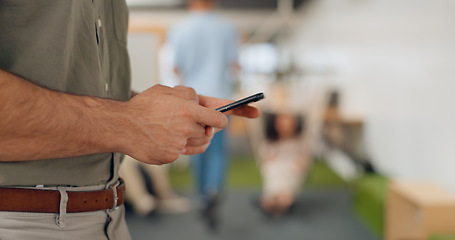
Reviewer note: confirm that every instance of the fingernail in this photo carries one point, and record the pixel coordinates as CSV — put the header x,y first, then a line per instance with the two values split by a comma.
x,y
226,120
212,130
183,151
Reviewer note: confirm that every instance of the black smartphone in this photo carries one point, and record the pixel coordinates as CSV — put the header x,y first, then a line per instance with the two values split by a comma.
x,y
253,98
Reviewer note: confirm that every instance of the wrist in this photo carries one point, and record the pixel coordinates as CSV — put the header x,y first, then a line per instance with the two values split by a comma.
x,y
110,121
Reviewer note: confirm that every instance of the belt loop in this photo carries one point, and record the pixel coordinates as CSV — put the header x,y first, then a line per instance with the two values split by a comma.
x,y
114,192
62,211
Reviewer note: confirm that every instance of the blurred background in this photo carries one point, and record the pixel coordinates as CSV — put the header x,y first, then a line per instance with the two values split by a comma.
x,y
369,82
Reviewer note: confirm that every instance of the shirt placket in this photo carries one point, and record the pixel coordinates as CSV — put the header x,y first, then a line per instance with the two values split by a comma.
x,y
100,43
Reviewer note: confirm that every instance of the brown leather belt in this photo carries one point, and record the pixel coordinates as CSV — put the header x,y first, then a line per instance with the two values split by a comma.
x,y
48,201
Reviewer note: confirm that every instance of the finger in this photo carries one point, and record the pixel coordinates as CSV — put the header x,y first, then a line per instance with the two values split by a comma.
x,y
198,131
244,111
196,142
178,91
209,131
209,117
187,93
192,150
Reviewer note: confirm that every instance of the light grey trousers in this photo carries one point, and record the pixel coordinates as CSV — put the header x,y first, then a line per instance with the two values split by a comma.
x,y
109,224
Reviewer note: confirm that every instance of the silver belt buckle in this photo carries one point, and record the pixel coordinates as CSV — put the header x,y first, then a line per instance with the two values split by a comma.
x,y
114,192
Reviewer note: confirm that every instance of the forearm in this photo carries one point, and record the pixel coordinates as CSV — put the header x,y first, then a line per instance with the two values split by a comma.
x,y
38,123
154,127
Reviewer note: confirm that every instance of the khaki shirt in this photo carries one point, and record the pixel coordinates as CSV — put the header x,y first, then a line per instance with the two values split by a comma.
x,y
77,47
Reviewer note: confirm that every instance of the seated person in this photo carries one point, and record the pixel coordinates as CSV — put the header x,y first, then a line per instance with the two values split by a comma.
x,y
284,161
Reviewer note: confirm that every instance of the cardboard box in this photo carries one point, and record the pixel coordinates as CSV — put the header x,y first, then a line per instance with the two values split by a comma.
x,y
415,211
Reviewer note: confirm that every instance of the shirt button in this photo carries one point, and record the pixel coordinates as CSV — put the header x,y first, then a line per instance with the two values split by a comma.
x,y
106,87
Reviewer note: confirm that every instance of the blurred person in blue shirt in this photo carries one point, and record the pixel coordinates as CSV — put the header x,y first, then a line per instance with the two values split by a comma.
x,y
205,48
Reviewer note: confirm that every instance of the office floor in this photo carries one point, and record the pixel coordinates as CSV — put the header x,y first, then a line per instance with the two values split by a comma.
x,y
320,214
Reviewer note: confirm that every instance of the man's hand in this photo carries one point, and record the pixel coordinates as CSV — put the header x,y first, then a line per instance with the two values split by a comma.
x,y
196,146
155,126
163,121
244,111
166,122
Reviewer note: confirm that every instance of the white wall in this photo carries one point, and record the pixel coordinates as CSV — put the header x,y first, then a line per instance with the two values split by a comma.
x,y
245,20
395,62
142,48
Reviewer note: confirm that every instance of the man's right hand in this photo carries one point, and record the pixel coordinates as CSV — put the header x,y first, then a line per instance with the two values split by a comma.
x,y
161,120
154,127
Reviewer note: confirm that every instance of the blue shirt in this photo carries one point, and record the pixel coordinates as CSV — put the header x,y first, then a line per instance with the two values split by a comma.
x,y
205,48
